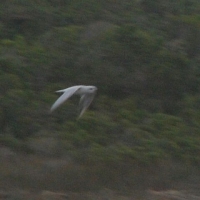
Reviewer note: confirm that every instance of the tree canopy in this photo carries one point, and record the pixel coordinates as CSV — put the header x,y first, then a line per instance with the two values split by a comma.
x,y
144,57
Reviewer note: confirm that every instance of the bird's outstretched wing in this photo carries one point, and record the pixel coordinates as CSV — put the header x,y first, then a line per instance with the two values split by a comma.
x,y
67,93
84,103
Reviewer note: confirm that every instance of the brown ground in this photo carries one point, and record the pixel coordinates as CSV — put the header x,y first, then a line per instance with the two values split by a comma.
x,y
33,177
104,194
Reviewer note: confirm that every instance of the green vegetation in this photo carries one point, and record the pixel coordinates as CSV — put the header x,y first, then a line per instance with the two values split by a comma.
x,y
144,57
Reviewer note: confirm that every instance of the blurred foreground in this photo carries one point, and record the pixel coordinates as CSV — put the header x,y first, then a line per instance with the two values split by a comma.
x,y
32,176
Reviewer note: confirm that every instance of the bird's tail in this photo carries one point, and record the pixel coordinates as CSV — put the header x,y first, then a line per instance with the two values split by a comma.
x,y
60,90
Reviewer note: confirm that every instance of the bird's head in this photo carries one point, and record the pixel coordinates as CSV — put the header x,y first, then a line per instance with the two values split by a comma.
x,y
92,89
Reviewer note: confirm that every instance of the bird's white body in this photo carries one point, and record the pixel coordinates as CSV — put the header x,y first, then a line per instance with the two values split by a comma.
x,y
87,94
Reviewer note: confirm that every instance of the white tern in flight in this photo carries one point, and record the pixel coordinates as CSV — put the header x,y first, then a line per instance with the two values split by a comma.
x,y
87,94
